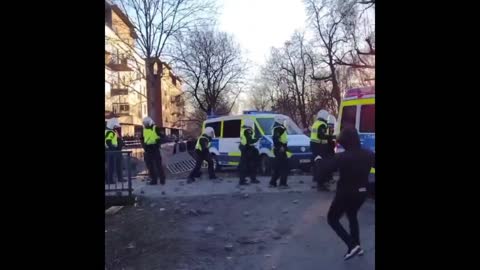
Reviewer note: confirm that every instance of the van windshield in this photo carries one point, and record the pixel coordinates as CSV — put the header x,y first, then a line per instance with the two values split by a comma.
x,y
267,124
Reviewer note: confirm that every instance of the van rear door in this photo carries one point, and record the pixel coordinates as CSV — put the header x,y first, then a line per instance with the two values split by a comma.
x,y
366,127
230,142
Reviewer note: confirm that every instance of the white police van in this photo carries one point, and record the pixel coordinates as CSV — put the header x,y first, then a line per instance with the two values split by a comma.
x,y
358,110
225,146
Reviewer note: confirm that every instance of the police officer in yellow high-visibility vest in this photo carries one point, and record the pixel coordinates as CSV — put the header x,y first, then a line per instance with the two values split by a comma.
x,y
319,144
202,150
281,153
248,153
151,140
113,158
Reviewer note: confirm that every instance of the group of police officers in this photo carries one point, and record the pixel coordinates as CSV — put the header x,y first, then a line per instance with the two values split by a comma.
x,y
322,143
354,165
150,140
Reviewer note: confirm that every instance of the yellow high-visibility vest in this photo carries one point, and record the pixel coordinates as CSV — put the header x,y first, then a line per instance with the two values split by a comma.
x,y
150,136
111,135
198,146
243,139
314,134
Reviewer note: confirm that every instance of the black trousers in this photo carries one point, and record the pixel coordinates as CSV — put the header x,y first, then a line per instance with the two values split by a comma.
x,y
323,151
114,165
280,169
248,164
153,160
200,157
319,176
348,204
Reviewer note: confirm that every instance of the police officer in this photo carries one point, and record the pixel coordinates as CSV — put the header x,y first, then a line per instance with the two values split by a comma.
x,y
113,143
151,139
331,121
320,147
202,152
249,153
281,153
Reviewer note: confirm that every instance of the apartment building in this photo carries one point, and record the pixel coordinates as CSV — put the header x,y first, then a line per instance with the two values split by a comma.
x,y
125,84
170,103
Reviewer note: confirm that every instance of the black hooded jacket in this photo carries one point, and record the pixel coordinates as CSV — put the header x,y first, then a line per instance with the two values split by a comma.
x,y
354,164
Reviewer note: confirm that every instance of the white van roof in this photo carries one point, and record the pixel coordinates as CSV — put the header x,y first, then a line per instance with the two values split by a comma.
x,y
240,116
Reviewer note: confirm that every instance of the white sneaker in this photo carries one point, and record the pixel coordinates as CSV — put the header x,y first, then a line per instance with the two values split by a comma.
x,y
351,253
360,253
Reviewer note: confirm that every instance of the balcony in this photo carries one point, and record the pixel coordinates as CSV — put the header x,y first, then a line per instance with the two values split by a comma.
x,y
108,57
117,63
118,91
178,100
121,109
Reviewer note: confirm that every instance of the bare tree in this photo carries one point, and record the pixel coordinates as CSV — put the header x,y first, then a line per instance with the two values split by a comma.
x,y
260,94
280,88
288,77
327,25
357,28
296,66
212,68
156,22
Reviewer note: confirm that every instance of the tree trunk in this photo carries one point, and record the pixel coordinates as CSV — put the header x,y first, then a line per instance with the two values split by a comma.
x,y
303,116
153,92
335,86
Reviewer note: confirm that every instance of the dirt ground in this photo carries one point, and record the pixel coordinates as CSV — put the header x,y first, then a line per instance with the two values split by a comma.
x,y
280,230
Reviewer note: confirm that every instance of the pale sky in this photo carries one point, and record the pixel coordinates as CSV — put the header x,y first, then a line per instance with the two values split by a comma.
x,y
260,24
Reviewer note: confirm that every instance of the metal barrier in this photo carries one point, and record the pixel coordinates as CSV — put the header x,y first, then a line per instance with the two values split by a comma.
x,y
118,177
128,144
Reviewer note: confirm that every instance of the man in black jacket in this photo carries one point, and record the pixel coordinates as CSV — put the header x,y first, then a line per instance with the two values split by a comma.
x,y
354,165
151,140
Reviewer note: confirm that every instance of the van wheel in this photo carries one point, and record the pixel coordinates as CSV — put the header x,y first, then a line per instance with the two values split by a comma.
x,y
265,165
216,166
306,168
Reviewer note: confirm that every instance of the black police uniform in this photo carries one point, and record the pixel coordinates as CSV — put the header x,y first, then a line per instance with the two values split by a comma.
x,y
280,163
202,153
322,150
113,158
249,157
153,157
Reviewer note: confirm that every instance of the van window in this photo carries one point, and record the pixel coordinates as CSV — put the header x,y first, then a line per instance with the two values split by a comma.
x,y
257,131
216,126
266,124
292,128
231,128
367,118
349,115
